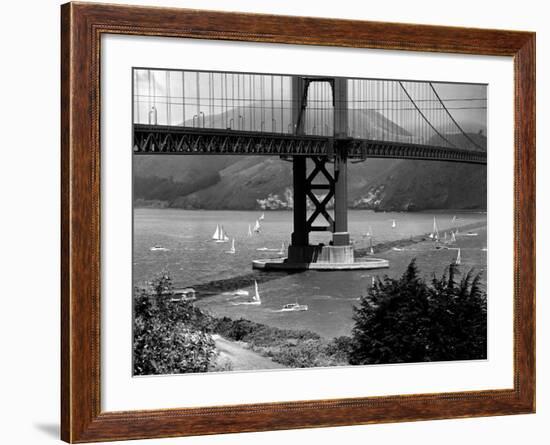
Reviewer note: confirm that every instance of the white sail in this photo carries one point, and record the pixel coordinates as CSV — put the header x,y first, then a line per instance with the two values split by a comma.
x,y
249,231
224,235
393,224
256,296
216,235
435,231
454,218
453,237
232,250
261,217
458,259
257,226
282,249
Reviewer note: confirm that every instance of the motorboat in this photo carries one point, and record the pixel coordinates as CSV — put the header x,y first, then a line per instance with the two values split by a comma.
x,y
294,307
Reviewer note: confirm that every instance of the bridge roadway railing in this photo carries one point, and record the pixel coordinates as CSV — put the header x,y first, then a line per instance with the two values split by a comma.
x,y
164,139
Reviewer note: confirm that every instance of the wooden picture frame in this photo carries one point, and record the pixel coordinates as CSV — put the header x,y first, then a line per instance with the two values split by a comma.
x,y
82,26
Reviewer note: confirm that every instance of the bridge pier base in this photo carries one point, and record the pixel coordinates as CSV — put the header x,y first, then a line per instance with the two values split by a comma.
x,y
339,254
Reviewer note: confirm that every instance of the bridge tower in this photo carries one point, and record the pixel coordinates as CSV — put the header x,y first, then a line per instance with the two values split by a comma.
x,y
339,253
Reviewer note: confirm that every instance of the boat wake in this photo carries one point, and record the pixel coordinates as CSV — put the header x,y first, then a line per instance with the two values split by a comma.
x,y
256,300
247,303
322,297
237,293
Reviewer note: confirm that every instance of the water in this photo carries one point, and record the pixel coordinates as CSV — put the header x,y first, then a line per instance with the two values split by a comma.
x,y
193,259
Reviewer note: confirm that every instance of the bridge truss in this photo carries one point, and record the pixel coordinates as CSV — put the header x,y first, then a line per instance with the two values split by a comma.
x,y
159,139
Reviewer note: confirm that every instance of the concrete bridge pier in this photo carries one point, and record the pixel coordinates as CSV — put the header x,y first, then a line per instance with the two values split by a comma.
x,y
341,250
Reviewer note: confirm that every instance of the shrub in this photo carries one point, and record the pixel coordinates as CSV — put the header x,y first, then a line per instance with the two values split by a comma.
x,y
169,336
408,320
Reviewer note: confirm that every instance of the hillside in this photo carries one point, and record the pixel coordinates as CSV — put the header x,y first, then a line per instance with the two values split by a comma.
x,y
254,182
248,182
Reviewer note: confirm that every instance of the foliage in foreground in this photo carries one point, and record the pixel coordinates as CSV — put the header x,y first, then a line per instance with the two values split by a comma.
x,y
169,337
409,320
398,321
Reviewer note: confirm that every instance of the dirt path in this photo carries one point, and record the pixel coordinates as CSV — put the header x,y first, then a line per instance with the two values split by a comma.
x,y
241,359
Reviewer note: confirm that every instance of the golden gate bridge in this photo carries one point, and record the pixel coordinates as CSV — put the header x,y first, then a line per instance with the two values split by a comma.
x,y
328,120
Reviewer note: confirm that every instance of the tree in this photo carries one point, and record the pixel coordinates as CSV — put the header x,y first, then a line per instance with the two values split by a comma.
x,y
408,320
169,336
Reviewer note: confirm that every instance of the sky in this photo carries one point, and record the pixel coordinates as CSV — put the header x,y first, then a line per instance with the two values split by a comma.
x,y
206,93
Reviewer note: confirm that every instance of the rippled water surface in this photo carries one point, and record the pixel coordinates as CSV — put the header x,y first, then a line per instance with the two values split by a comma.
x,y
193,259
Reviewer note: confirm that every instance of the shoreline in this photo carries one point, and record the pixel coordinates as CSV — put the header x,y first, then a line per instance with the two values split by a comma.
x,y
405,242
162,205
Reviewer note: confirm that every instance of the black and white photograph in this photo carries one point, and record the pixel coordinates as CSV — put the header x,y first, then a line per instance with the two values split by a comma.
x,y
275,222
299,221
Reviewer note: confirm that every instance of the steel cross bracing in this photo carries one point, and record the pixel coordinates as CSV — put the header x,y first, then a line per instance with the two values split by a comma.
x,y
164,139
320,203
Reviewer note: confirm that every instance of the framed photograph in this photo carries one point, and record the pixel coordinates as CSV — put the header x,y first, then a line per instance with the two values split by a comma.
x,y
275,222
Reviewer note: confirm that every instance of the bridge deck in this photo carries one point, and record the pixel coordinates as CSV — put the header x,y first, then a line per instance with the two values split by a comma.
x,y
180,140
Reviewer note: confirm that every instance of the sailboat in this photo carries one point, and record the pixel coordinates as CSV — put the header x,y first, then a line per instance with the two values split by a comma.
x,y
262,216
435,232
369,233
453,237
249,231
222,235
232,250
257,226
458,259
282,250
371,250
256,300
454,219
393,224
